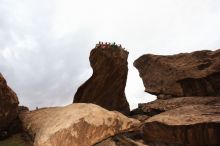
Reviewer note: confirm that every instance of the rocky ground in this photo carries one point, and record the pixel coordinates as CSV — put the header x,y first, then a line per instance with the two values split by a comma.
x,y
186,112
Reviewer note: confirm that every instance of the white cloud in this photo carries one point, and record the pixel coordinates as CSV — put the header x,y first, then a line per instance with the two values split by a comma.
x,y
45,44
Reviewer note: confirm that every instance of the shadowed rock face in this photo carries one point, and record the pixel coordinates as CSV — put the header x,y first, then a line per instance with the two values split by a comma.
x,y
186,74
106,87
160,105
194,125
78,124
8,104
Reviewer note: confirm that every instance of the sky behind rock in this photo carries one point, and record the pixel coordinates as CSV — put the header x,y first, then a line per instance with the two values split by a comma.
x,y
45,44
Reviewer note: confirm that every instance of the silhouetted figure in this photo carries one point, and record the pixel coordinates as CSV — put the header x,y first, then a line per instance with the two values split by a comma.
x,y
97,45
109,44
114,45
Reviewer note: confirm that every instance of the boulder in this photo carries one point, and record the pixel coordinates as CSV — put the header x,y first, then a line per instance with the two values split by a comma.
x,y
193,125
160,105
8,106
78,124
185,74
106,87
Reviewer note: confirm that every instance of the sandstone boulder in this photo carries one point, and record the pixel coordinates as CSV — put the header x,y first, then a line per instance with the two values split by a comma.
x,y
78,124
194,125
106,87
8,105
185,74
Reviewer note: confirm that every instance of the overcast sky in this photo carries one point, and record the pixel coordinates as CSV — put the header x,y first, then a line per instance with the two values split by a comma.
x,y
45,44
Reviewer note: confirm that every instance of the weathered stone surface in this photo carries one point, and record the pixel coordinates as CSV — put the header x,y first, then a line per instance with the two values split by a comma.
x,y
160,105
185,74
8,105
78,124
107,85
194,125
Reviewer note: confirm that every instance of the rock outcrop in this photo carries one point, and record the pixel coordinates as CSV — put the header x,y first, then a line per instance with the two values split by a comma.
x,y
79,124
185,74
194,125
160,105
106,87
8,105
187,109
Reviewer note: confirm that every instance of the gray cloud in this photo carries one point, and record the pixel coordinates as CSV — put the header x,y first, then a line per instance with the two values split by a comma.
x,y
43,69
45,44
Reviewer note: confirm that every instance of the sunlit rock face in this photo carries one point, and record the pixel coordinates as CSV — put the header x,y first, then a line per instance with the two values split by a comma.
x,y
78,124
8,105
106,87
185,74
194,125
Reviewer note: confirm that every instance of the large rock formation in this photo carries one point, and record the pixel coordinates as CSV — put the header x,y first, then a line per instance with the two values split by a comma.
x,y
107,85
186,74
186,112
8,105
194,125
78,124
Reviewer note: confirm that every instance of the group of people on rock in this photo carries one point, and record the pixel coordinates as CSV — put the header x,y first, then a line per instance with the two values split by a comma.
x,y
108,45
